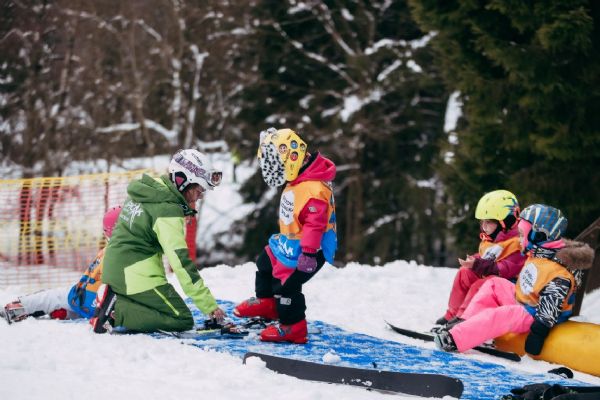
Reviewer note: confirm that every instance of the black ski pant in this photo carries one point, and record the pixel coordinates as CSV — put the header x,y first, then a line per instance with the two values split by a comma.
x,y
288,296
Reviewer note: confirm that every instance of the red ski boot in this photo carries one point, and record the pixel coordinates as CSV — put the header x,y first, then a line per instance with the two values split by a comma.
x,y
295,333
257,307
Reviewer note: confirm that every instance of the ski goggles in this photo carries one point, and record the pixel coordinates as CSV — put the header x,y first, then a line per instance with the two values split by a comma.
x,y
213,178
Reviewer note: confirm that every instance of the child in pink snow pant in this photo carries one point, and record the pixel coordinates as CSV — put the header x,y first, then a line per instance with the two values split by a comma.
x,y
492,312
466,284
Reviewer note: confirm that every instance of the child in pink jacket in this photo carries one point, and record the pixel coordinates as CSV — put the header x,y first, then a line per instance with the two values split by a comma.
x,y
543,295
499,253
306,239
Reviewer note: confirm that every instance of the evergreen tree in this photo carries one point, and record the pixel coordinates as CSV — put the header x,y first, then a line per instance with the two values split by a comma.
x,y
357,80
529,78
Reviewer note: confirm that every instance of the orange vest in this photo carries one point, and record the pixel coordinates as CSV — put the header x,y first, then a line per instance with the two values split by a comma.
x,y
82,296
293,200
498,251
286,245
535,275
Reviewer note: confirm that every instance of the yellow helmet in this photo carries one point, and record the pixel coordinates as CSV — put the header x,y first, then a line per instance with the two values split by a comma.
x,y
281,154
498,205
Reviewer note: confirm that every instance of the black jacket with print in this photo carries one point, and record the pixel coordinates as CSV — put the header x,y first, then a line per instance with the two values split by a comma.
x,y
575,257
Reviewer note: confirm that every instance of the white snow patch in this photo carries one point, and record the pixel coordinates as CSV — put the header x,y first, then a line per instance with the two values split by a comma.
x,y
453,113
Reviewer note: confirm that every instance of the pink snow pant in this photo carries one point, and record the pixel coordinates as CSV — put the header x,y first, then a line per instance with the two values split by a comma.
x,y
466,285
492,312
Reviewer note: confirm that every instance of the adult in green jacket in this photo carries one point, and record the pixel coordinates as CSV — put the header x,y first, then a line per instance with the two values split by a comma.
x,y
137,295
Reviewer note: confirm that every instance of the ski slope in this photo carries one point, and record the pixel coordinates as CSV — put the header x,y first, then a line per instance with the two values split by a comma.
x,y
53,360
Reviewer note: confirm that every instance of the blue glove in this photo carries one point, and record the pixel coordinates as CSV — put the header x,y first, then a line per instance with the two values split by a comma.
x,y
307,262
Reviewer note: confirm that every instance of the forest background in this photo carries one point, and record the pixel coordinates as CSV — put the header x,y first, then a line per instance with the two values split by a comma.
x,y
370,84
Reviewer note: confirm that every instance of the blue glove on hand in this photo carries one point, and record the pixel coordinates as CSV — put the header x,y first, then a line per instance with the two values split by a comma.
x,y
307,262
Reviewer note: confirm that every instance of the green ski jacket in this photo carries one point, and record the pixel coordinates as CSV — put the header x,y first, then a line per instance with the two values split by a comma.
x,y
151,224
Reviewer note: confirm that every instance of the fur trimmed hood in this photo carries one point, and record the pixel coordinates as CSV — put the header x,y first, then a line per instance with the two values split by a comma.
x,y
575,255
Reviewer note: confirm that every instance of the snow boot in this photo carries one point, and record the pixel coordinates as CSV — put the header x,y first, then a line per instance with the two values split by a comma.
x,y
14,312
444,341
103,319
295,333
441,321
257,307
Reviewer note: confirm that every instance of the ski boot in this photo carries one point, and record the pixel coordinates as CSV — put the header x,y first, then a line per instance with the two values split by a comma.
x,y
444,341
103,319
295,333
264,307
14,312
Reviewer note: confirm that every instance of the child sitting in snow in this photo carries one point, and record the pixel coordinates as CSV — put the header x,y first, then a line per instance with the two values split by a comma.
x,y
62,303
307,235
543,295
499,253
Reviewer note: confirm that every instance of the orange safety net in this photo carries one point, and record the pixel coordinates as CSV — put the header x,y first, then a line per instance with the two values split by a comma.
x,y
51,228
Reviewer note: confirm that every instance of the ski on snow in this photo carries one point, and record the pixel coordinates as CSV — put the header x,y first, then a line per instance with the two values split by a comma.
x,y
428,337
415,384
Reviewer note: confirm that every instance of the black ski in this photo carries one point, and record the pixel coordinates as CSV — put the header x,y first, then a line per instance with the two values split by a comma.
x,y
428,337
416,384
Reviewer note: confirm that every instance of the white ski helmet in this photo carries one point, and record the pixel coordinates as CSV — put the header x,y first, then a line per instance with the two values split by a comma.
x,y
189,166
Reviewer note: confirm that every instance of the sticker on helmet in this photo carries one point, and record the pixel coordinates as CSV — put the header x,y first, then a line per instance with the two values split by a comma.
x,y
294,156
294,144
282,148
302,147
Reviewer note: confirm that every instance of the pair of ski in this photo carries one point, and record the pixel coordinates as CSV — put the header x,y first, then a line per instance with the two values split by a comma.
x,y
428,337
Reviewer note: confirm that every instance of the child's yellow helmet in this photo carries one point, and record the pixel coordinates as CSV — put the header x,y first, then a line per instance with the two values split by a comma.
x,y
498,205
281,154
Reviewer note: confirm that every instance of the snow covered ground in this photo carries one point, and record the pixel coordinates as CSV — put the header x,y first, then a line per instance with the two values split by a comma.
x,y
50,360
53,360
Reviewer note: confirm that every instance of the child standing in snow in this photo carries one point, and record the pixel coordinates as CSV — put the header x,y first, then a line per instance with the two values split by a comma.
x,y
543,295
66,303
499,253
307,236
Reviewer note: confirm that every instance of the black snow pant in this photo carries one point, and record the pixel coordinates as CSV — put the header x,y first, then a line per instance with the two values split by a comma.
x,y
288,296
